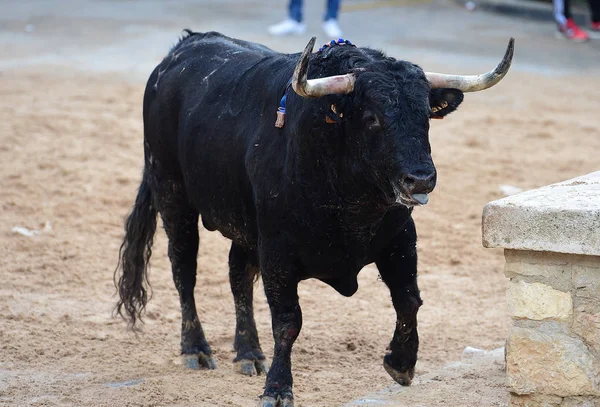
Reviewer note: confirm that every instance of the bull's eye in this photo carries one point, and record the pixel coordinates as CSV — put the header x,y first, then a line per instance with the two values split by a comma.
x,y
371,120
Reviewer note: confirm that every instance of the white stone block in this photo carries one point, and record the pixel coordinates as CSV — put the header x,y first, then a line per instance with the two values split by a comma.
x,y
528,263
538,301
556,364
587,326
535,400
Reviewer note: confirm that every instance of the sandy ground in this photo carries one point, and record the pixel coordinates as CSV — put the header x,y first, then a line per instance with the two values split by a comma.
x,y
70,163
478,379
71,155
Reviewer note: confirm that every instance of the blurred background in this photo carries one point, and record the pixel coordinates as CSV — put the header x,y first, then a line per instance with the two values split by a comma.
x,y
132,36
72,74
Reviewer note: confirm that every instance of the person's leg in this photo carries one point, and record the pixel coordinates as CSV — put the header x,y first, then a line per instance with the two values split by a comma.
x,y
295,8
562,11
566,25
595,10
330,24
333,7
293,24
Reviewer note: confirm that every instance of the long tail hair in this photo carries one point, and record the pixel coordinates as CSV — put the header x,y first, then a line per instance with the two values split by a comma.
x,y
134,256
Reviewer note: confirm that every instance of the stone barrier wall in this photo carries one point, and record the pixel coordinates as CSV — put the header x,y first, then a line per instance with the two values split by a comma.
x,y
551,241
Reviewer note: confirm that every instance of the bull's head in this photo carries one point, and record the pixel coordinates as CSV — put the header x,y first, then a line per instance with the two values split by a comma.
x,y
386,114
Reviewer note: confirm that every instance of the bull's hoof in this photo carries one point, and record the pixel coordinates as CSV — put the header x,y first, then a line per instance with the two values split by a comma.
x,y
198,361
279,401
250,367
251,363
404,378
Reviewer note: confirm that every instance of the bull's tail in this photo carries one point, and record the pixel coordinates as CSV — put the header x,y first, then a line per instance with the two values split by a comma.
x,y
134,256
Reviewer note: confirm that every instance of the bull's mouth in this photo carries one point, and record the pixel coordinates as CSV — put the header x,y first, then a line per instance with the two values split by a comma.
x,y
409,200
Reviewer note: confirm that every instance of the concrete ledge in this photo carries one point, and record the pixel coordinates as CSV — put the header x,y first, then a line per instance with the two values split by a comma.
x,y
562,218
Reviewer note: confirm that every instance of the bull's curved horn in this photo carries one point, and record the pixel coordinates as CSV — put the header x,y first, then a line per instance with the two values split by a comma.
x,y
314,88
474,83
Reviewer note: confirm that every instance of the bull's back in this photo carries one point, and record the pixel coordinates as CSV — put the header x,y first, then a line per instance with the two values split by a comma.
x,y
206,105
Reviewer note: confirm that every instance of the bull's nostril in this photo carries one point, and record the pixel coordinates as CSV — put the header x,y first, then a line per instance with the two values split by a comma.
x,y
418,183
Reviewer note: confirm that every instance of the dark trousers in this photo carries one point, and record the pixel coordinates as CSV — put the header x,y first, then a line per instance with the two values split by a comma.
x,y
331,12
562,10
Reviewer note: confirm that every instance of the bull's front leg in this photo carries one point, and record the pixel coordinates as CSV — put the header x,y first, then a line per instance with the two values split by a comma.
x,y
397,266
281,288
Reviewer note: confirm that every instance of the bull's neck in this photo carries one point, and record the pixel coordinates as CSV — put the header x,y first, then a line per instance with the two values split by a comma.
x,y
321,174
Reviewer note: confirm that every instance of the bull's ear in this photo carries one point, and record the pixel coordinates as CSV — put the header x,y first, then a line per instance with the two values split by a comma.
x,y
444,101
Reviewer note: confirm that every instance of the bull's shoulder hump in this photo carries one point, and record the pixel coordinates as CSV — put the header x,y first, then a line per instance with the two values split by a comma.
x,y
216,43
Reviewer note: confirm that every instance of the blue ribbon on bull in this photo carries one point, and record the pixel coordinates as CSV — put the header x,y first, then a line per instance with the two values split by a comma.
x,y
340,41
281,109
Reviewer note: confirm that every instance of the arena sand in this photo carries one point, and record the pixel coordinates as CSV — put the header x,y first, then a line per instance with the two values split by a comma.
x,y
71,155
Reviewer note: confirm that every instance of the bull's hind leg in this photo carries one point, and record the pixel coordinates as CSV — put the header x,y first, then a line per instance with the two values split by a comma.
x,y
243,270
181,225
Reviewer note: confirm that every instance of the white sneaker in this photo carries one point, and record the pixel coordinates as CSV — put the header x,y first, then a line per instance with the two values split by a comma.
x,y
287,27
332,29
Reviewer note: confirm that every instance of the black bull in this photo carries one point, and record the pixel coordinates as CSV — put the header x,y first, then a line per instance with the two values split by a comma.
x,y
329,192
